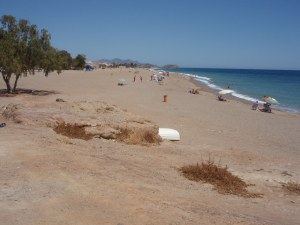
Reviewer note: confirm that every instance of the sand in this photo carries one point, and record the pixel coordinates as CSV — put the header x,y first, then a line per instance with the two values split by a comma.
x,y
47,178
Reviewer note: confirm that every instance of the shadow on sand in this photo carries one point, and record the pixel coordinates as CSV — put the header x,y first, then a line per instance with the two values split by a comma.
x,y
3,92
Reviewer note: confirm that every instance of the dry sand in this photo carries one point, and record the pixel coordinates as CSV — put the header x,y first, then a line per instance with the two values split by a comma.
x,y
47,178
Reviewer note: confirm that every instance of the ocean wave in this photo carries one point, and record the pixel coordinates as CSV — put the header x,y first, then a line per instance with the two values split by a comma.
x,y
204,78
246,97
208,82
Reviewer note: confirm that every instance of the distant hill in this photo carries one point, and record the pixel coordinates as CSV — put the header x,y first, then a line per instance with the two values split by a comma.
x,y
170,66
124,62
117,61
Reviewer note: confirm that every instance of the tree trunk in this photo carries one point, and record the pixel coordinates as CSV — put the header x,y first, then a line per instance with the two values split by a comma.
x,y
16,83
6,78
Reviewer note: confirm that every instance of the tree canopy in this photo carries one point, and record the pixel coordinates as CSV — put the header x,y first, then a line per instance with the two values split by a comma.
x,y
24,49
79,62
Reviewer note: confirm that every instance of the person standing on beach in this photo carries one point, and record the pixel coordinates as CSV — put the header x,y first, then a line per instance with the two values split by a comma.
x,y
141,78
134,78
255,105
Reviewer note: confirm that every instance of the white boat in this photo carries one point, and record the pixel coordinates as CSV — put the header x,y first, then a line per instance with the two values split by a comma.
x,y
169,134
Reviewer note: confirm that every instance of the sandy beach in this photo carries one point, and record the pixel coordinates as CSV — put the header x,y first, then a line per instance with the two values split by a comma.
x,y
48,178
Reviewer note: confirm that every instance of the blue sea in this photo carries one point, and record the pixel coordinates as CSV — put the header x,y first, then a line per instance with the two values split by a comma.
x,y
252,84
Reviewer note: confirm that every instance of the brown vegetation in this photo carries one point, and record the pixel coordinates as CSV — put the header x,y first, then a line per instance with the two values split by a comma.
x,y
141,136
10,112
73,131
133,135
3,93
224,181
292,187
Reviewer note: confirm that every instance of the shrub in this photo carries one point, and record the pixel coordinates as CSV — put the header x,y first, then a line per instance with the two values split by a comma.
x,y
222,180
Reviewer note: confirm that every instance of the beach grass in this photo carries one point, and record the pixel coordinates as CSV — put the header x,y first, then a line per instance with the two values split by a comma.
x,y
73,131
139,136
292,187
222,180
128,135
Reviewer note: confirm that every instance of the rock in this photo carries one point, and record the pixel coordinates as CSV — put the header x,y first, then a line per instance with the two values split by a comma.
x,y
60,100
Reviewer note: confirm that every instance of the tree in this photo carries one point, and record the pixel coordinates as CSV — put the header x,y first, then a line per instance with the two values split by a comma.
x,y
24,48
8,61
79,62
65,59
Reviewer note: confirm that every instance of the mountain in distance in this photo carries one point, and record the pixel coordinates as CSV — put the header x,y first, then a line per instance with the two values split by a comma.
x,y
170,66
118,61
123,62
129,62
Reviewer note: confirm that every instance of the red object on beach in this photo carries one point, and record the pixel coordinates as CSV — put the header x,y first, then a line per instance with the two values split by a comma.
x,y
165,98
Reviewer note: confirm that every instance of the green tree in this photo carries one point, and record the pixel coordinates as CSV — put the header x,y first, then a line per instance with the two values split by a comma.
x,y
65,60
79,62
24,48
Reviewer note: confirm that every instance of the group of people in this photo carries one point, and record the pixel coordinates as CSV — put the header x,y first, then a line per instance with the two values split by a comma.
x,y
154,77
221,98
266,107
134,78
194,91
157,78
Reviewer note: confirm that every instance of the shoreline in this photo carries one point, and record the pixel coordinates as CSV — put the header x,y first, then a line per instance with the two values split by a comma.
x,y
206,88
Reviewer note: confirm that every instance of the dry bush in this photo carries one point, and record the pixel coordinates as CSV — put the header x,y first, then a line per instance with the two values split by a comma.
x,y
292,187
3,92
11,111
72,131
139,136
135,136
224,181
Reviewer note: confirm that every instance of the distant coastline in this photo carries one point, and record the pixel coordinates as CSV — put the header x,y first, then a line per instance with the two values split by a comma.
x,y
253,85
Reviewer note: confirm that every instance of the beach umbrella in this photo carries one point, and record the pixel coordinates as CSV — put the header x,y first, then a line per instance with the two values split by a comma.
x,y
225,92
270,100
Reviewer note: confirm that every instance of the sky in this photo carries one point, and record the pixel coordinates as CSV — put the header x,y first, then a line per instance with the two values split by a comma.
x,y
262,34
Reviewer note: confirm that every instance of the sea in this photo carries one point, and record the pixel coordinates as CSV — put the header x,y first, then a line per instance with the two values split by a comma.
x,y
252,84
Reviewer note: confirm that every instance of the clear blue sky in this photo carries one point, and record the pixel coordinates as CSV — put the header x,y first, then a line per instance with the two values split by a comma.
x,y
193,33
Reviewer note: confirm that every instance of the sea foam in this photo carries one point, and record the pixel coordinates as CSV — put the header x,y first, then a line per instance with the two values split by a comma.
x,y
206,80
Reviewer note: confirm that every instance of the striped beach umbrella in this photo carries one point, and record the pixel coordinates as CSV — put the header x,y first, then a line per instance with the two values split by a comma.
x,y
270,100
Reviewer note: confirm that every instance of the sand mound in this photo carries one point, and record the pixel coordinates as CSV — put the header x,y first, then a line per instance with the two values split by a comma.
x,y
86,120
129,135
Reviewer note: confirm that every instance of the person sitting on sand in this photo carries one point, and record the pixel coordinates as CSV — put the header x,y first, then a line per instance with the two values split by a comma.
x,y
266,108
221,98
255,105
192,91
